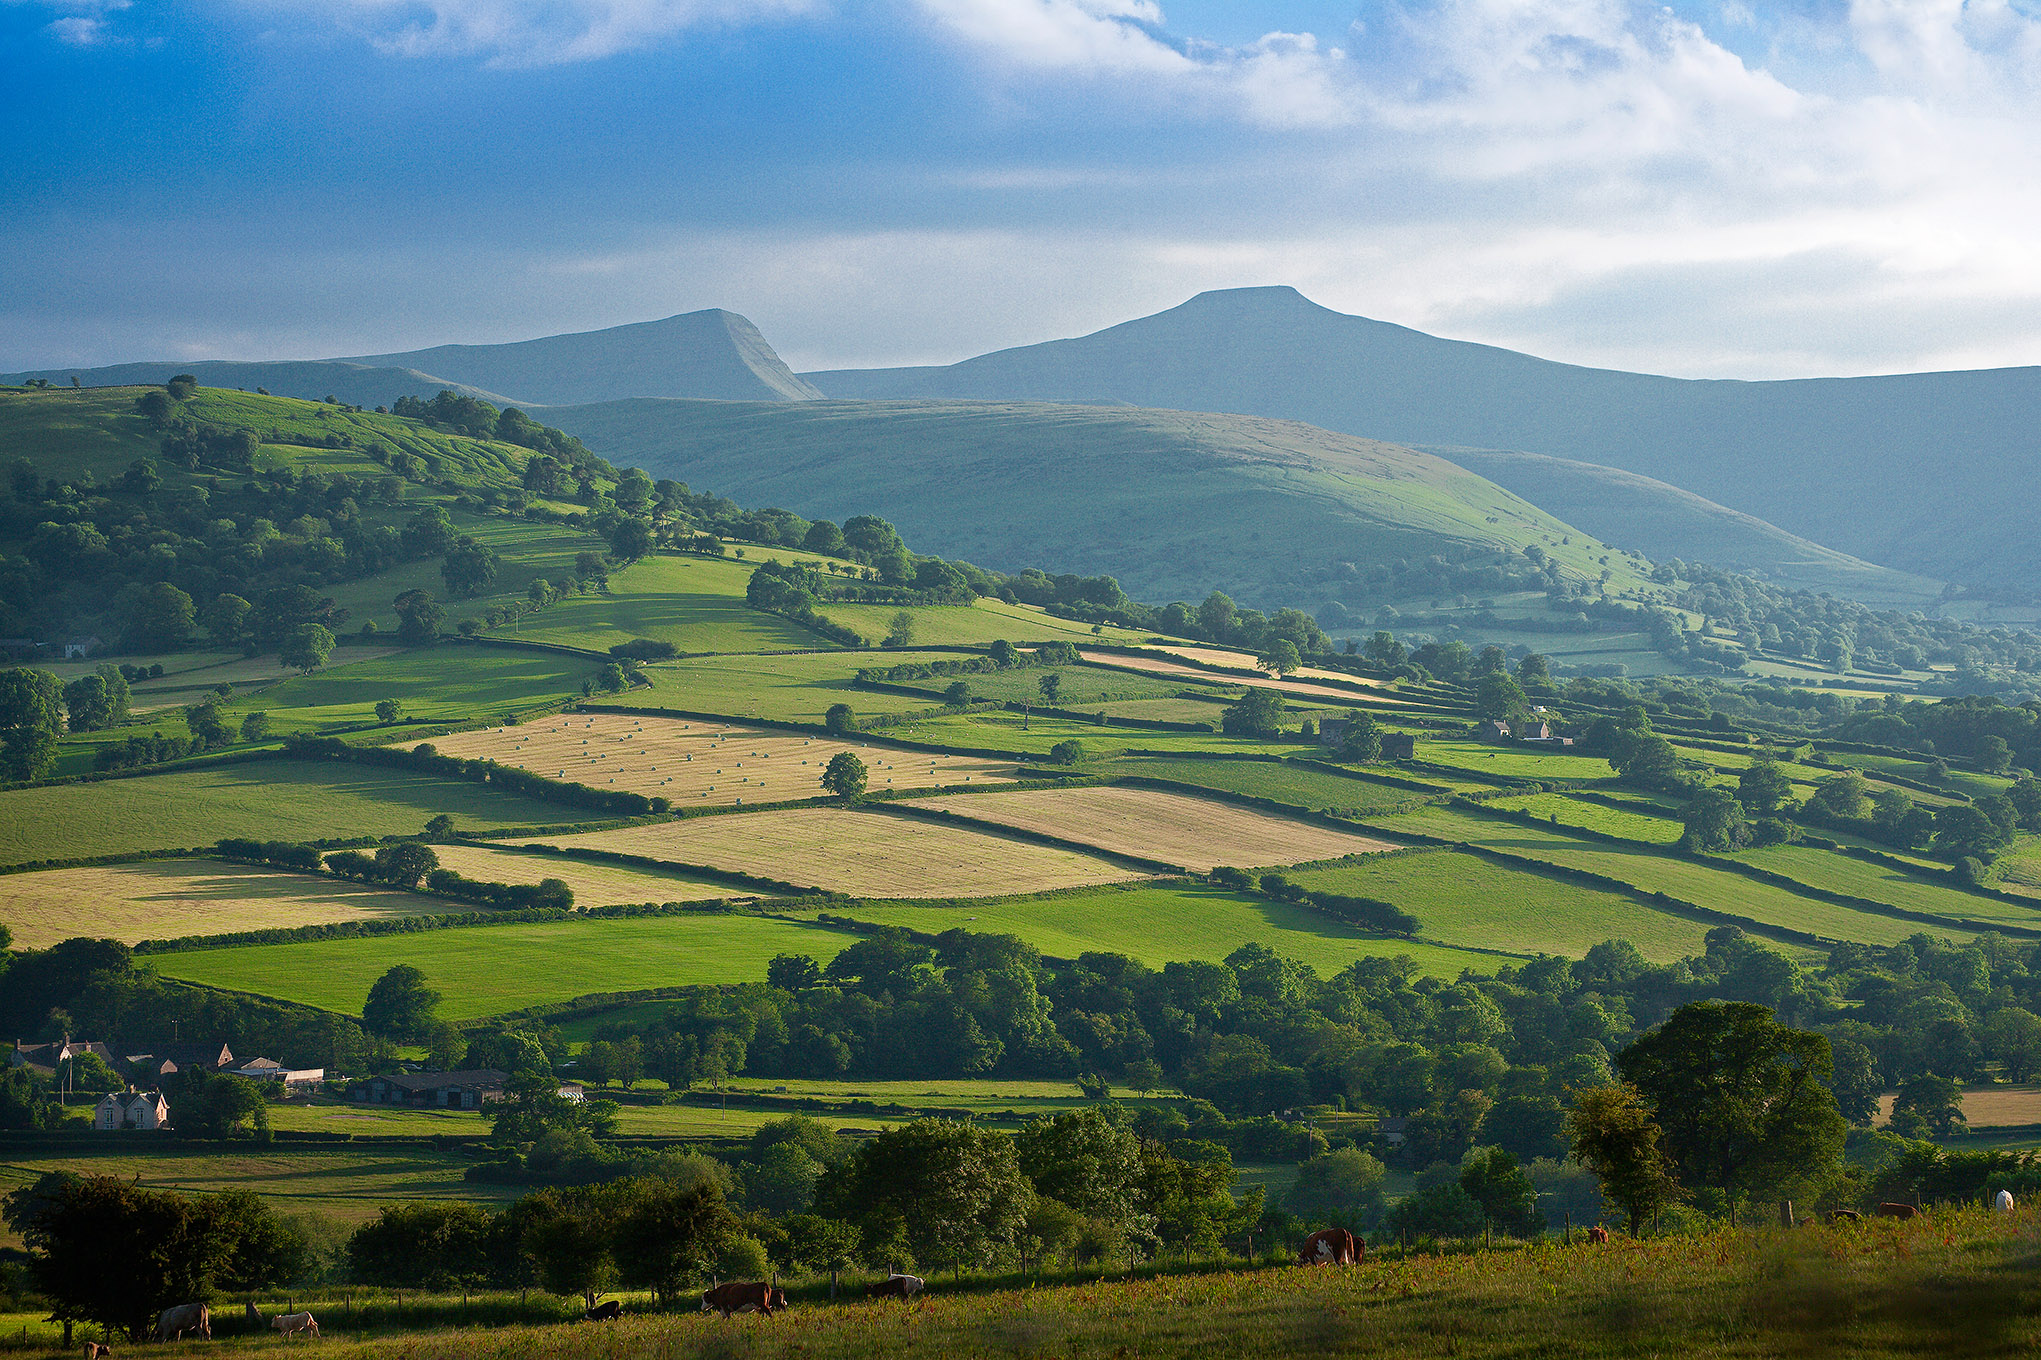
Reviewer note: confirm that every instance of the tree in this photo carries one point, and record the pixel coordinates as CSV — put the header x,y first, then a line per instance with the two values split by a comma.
x,y
1845,796
225,620
307,648
86,705
1066,753
469,566
2013,1037
839,721
948,1192
1341,1189
439,827
1763,788
1742,1098
1963,829
671,1235
845,776
404,863
1645,758
1611,1132
418,618
208,724
388,711
1509,1202
153,615
1534,673
1927,1106
1089,1160
1361,741
1004,654
1714,821
900,629
1216,617
255,726
400,1006
424,1246
1051,687
630,538
793,972
1281,658
1499,697
1259,713
957,695
610,679
1384,650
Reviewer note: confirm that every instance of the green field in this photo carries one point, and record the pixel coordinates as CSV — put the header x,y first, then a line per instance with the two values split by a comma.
x,y
1286,783
1516,762
1462,899
450,682
1578,812
1840,873
695,603
260,799
1006,731
1158,925
483,970
1080,686
1690,882
782,688
978,624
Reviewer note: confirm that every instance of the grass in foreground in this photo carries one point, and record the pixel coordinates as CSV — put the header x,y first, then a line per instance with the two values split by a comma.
x,y
262,799
484,970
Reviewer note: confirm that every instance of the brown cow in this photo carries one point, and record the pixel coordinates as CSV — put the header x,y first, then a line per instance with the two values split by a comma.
x,y
1598,1235
95,1351
604,1312
1896,1211
1330,1247
895,1286
755,1297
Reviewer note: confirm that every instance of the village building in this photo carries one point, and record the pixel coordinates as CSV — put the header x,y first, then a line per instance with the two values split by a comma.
x,y
45,1058
1492,729
468,1090
291,1078
167,1060
131,1110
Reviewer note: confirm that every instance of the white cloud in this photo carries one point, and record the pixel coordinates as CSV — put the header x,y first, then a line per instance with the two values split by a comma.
x,y
526,33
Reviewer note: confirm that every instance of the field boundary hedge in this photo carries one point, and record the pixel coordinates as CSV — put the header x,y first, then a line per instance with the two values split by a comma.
x,y
1001,829
811,730
733,877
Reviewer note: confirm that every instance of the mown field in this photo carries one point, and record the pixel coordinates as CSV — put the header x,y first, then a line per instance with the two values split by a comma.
x,y
697,763
260,799
1687,880
1463,899
978,624
1298,785
695,603
594,885
861,852
1167,923
1515,762
167,899
484,970
1301,689
1176,828
1036,735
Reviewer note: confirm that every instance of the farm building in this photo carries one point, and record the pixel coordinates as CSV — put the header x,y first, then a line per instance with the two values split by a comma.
x,y
1332,731
1492,730
451,1090
131,1110
293,1078
167,1060
1399,746
44,1058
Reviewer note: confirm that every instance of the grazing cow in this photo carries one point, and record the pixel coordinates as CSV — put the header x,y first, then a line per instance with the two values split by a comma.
x,y
1598,1235
95,1351
1844,1216
1890,1210
755,1297
895,1286
1330,1247
2003,1201
290,1324
604,1312
173,1323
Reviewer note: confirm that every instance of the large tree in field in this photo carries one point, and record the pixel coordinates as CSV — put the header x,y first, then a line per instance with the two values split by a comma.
x,y
949,1193
400,1005
1612,1133
1258,714
469,566
307,648
845,776
1743,1099
154,615
30,718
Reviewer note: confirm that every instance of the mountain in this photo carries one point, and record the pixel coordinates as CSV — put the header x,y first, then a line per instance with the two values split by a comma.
x,y
714,354
357,384
1926,472
1642,513
1173,504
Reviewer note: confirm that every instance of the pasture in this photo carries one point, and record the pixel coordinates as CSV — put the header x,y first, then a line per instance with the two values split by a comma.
x,y
594,885
1175,828
170,898
1462,899
791,688
695,603
1167,923
1298,785
978,624
861,852
446,683
1511,761
702,764
483,970
1576,812
1302,689
1036,735
260,799
1840,873
1641,868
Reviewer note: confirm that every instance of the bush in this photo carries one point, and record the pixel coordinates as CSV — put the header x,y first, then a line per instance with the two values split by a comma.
x,y
1066,752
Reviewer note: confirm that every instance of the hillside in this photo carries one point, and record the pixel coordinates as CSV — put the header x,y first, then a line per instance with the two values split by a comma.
x,y
1172,504
355,383
714,354
1921,472
1647,515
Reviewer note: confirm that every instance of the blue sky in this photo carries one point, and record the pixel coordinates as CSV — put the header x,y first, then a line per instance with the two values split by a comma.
x,y
1711,188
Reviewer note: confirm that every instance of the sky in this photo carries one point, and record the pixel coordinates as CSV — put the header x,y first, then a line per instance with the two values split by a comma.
x,y
1707,188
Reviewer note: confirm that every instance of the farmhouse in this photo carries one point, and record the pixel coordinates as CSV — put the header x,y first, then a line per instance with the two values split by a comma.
x,y
44,1058
131,1110
468,1090
167,1060
1399,746
1492,729
292,1078
1332,731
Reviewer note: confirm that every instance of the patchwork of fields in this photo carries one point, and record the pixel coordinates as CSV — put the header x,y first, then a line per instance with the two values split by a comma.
x,y
594,885
1198,833
696,763
864,853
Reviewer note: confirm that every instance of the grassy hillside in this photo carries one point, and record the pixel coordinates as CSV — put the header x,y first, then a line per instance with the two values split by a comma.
x,y
1172,504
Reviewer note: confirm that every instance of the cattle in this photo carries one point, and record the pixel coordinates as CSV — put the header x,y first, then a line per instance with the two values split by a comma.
x,y
1844,1216
755,1297
2003,1201
1889,1210
95,1351
604,1312
173,1323
290,1324
895,1286
1330,1247
1598,1235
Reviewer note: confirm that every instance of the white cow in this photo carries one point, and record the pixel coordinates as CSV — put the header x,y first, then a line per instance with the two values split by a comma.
x,y
2003,1202
290,1324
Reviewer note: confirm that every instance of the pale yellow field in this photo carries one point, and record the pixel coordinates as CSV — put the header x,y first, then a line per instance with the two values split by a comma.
x,y
168,899
1302,689
1197,833
1988,1107
1226,656
702,764
594,885
865,853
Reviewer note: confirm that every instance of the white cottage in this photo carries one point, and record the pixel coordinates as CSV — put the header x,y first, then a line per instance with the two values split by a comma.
x,y
131,1110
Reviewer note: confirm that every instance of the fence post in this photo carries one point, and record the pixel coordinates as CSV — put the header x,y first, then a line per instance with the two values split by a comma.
x,y
832,1286
1568,1238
